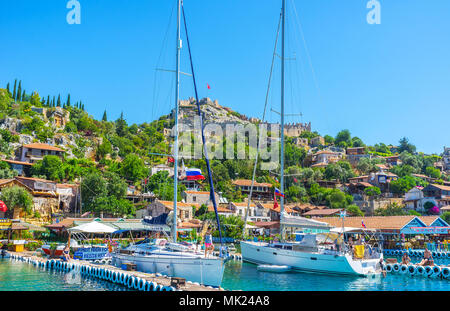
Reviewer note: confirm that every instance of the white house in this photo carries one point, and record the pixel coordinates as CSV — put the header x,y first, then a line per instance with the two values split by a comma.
x,y
415,200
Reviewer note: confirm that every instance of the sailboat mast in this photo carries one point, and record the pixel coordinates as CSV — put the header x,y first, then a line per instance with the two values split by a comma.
x,y
177,95
282,115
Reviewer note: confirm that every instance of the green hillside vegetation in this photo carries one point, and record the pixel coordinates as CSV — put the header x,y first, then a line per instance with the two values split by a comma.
x,y
122,156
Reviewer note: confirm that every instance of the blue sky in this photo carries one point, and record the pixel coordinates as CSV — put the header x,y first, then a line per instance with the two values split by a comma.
x,y
382,82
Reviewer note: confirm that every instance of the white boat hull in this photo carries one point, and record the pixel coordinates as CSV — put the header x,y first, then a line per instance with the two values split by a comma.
x,y
259,253
206,271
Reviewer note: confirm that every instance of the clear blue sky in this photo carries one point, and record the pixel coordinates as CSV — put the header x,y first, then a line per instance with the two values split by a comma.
x,y
382,82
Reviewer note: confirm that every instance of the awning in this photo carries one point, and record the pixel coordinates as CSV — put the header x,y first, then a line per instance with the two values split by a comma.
x,y
93,227
302,222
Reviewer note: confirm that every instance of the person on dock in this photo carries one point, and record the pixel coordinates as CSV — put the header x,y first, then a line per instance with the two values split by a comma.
x,y
405,259
209,246
427,258
381,266
66,253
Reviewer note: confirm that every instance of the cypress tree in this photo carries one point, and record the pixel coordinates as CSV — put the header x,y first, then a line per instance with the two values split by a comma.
x,y
48,100
7,88
53,103
23,95
19,91
104,116
14,93
58,103
68,101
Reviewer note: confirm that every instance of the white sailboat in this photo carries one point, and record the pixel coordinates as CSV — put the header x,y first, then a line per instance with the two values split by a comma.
x,y
176,259
308,254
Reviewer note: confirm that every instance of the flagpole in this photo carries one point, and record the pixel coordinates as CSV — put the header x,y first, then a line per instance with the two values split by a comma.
x,y
177,91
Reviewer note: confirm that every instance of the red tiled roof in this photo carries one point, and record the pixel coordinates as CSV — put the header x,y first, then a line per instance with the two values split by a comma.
x,y
377,222
246,182
441,187
18,162
220,209
267,224
42,146
169,204
34,179
322,212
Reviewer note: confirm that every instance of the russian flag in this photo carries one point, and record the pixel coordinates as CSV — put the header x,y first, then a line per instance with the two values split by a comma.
x,y
194,174
279,193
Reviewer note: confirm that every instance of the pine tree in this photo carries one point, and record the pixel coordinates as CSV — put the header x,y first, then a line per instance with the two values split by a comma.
x,y
68,101
19,91
58,103
104,116
14,93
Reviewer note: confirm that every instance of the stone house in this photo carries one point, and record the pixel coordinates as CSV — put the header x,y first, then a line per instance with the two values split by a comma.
x,y
34,152
198,197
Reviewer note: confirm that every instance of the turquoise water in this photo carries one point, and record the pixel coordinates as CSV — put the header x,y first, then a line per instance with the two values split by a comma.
x,y
20,276
245,276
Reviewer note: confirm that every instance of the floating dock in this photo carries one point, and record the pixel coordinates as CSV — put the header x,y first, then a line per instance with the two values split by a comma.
x,y
134,280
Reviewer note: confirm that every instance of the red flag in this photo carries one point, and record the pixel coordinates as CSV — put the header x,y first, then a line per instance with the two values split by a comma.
x,y
171,160
275,205
3,207
208,86
295,180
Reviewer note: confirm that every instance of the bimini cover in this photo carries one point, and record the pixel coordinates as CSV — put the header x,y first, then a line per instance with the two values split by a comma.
x,y
302,222
93,227
160,220
160,223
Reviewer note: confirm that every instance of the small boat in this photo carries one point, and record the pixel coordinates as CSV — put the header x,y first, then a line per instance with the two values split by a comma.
x,y
273,268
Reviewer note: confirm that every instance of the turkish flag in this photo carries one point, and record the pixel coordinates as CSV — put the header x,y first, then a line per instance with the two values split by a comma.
x,y
3,207
209,87
275,205
171,160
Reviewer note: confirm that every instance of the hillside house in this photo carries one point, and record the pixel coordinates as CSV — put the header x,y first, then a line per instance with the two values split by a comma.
x,y
446,159
324,157
317,141
260,190
159,207
199,197
22,168
34,152
256,213
393,160
354,155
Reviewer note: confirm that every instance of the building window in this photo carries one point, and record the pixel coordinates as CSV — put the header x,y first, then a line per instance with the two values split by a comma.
x,y
194,198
